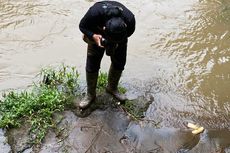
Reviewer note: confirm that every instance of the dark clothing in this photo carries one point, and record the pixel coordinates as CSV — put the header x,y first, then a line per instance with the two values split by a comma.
x,y
93,23
95,54
95,19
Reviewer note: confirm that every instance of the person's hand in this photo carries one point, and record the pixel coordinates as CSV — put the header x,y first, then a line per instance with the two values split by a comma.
x,y
97,38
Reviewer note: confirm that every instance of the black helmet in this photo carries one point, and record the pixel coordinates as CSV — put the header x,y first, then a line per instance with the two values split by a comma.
x,y
112,10
115,29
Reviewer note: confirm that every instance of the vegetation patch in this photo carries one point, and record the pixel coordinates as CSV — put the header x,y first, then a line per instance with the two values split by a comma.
x,y
103,81
37,105
134,108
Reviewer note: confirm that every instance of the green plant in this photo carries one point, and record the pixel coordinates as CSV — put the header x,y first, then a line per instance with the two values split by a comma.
x,y
38,105
134,110
64,77
103,81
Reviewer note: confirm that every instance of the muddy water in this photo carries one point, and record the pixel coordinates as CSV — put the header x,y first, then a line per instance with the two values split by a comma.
x,y
179,54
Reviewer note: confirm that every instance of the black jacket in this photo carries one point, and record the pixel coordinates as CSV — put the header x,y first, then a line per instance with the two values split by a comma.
x,y
95,19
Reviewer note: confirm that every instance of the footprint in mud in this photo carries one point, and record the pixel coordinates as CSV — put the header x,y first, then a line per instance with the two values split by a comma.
x,y
102,102
135,108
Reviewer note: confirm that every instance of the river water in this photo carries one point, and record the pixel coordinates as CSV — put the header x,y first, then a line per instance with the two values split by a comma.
x,y
179,53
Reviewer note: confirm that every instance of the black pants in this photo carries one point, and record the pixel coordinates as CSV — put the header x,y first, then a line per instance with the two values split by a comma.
x,y
95,54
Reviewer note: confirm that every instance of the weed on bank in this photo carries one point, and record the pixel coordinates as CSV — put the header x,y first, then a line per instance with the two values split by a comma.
x,y
37,105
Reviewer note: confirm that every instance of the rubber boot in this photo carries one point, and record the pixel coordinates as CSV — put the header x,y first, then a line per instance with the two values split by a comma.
x,y
113,80
91,79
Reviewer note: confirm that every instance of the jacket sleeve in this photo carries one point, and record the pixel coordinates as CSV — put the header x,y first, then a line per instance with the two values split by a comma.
x,y
89,22
131,25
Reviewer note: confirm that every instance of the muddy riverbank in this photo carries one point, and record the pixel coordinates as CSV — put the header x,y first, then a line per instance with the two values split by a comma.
x,y
110,129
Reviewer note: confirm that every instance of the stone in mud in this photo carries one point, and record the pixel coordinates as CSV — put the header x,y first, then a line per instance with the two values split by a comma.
x,y
3,142
18,138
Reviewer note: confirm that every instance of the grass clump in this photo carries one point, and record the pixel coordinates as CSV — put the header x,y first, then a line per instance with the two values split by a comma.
x,y
64,78
132,108
38,105
103,81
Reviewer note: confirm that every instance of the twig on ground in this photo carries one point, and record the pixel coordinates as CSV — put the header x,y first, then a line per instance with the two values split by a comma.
x,y
94,139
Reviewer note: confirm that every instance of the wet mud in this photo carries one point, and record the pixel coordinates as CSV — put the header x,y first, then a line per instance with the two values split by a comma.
x,y
5,147
108,128
18,138
112,131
